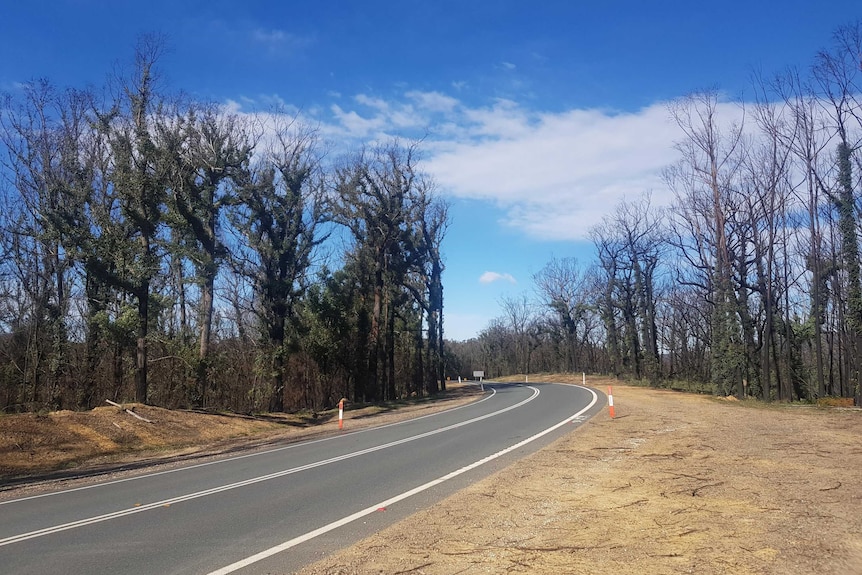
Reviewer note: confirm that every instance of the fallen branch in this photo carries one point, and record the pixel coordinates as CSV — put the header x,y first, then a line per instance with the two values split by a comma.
x,y
413,570
129,411
696,492
638,502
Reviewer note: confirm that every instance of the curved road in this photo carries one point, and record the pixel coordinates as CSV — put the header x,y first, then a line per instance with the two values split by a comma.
x,y
277,510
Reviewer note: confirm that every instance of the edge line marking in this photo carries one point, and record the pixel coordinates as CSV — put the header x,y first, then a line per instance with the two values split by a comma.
x,y
369,510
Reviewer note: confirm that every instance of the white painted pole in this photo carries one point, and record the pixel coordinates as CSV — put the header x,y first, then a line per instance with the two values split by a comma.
x,y
585,377
341,414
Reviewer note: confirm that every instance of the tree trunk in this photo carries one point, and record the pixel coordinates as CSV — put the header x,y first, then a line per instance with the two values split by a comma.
x,y
206,304
845,203
141,349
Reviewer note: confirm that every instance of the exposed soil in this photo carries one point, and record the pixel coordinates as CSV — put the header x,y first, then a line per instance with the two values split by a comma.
x,y
675,483
35,448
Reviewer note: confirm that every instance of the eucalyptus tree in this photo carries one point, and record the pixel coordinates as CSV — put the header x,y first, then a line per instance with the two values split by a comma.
x,y
498,349
279,214
430,222
838,77
41,131
122,249
705,183
562,287
630,242
520,319
806,136
604,287
205,152
379,192
336,317
772,212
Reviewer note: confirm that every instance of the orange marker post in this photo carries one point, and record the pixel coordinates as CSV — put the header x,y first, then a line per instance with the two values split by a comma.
x,y
611,401
341,414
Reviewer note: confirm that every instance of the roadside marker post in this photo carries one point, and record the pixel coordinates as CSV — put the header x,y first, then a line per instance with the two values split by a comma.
x,y
341,414
611,401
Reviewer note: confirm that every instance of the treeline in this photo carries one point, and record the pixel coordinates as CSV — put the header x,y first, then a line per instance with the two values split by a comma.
x,y
160,249
749,283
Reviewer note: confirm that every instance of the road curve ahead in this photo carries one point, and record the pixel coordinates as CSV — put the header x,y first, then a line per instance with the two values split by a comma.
x,y
277,510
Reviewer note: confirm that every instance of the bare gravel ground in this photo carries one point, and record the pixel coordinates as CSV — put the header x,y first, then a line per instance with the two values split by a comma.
x,y
676,483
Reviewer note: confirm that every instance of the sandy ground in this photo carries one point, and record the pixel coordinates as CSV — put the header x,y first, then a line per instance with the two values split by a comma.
x,y
675,483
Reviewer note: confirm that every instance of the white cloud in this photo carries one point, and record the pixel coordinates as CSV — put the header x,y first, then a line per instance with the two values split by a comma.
x,y
356,125
554,174
377,103
491,277
433,101
504,120
232,107
272,37
278,42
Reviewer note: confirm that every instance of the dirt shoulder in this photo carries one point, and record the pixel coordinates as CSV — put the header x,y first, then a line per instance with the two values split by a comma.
x,y
35,449
676,483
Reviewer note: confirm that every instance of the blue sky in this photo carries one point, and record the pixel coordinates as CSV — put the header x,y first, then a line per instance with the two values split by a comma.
x,y
538,116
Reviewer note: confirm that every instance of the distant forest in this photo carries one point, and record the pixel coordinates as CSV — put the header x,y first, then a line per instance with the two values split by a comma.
x,y
167,251
749,284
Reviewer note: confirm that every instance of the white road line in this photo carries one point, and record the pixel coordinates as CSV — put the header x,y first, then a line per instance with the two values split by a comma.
x,y
238,457
369,510
132,510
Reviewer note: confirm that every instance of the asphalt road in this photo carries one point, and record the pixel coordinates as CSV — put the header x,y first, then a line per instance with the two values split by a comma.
x,y
277,510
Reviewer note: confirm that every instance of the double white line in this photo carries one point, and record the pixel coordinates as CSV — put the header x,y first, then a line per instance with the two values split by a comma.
x,y
383,504
167,502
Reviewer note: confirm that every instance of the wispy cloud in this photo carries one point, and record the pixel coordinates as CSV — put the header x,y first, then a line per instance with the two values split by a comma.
x,y
554,175
271,37
278,42
356,125
491,277
433,101
252,40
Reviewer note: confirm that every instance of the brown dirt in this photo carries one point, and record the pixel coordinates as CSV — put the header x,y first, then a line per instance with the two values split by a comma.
x,y
107,439
676,483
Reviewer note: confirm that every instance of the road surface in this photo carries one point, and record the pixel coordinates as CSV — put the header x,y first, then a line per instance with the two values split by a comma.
x,y
277,510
